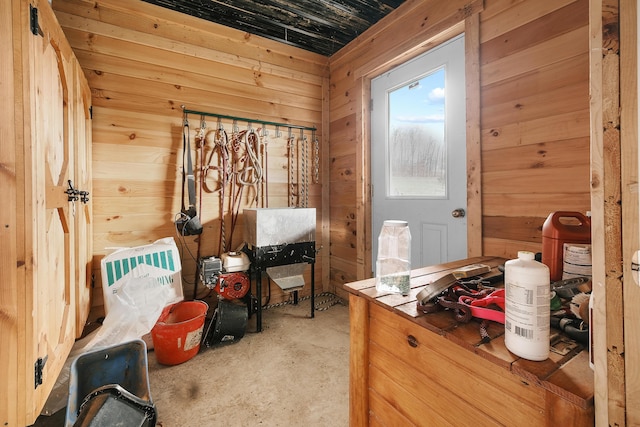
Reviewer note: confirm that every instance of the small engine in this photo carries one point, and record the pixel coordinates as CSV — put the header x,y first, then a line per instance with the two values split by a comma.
x,y
232,285
210,269
229,285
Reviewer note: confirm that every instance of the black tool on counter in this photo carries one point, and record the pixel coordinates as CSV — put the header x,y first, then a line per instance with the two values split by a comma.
x,y
574,328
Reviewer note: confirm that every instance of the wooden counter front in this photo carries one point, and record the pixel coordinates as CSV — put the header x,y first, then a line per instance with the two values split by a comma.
x,y
411,368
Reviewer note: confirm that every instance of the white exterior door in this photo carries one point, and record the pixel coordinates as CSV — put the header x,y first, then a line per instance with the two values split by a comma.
x,y
418,153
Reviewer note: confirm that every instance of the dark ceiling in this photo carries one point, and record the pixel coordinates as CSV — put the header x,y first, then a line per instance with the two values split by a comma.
x,y
321,26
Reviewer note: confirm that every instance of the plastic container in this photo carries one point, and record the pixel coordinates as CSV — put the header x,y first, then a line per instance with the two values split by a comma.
x,y
393,264
178,332
235,261
527,300
112,405
229,323
124,364
559,228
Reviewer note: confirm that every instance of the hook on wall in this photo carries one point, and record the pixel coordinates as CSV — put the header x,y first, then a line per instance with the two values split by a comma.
x,y
244,119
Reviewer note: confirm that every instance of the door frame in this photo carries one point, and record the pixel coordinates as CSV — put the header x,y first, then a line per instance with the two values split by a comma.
x,y
471,28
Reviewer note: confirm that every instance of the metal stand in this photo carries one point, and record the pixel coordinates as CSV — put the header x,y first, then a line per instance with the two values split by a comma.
x,y
273,256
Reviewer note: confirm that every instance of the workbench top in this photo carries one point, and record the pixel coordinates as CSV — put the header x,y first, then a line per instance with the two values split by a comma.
x,y
565,374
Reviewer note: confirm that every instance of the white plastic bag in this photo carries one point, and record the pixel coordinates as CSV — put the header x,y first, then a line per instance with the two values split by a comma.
x,y
137,283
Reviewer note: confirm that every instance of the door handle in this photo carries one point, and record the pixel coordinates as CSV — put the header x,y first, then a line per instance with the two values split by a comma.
x,y
458,213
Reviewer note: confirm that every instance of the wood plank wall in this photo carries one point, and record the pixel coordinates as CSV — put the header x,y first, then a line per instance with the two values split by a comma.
x,y
143,63
535,118
614,199
629,296
534,108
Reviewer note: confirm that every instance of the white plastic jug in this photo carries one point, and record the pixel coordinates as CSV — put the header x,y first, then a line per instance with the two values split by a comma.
x,y
527,300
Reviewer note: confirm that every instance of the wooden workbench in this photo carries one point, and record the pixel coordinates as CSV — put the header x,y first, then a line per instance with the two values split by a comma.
x,y
411,368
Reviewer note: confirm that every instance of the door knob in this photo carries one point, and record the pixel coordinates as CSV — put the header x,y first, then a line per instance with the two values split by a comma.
x,y
458,213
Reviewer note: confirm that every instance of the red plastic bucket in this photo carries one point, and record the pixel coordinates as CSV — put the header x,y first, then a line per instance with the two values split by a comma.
x,y
178,332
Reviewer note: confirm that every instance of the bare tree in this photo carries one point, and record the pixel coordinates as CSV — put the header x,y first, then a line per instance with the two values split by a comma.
x,y
415,152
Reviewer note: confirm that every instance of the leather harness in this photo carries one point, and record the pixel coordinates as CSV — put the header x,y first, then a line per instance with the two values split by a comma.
x,y
483,302
466,299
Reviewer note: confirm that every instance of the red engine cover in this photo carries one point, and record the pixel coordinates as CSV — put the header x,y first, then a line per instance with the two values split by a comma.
x,y
232,285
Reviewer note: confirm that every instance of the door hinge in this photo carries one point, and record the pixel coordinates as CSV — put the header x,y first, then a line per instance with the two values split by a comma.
x,y
34,25
38,368
371,104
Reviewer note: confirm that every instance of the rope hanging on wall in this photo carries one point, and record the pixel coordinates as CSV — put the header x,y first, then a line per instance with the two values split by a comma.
x,y
234,165
250,148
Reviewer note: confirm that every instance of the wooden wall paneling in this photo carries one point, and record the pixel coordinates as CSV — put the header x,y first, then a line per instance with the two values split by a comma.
x,y
532,204
534,119
442,20
544,104
543,54
144,62
231,93
344,167
555,128
473,135
611,179
545,27
341,272
506,247
324,171
161,50
364,233
500,16
606,215
152,20
566,180
630,215
551,154
525,229
568,71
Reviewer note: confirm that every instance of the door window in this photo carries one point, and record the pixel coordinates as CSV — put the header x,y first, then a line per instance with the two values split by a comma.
x,y
415,140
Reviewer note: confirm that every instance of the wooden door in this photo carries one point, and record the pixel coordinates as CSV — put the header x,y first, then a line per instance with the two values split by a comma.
x,y
50,158
418,152
83,208
45,242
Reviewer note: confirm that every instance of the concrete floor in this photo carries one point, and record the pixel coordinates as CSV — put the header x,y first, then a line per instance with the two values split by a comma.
x,y
295,372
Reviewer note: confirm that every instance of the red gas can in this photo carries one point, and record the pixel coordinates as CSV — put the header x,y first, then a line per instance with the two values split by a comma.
x,y
560,228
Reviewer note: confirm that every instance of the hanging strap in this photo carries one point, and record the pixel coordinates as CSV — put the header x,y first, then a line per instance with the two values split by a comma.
x,y
187,174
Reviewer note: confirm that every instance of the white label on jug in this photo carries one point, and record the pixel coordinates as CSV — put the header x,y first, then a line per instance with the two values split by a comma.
x,y
576,260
